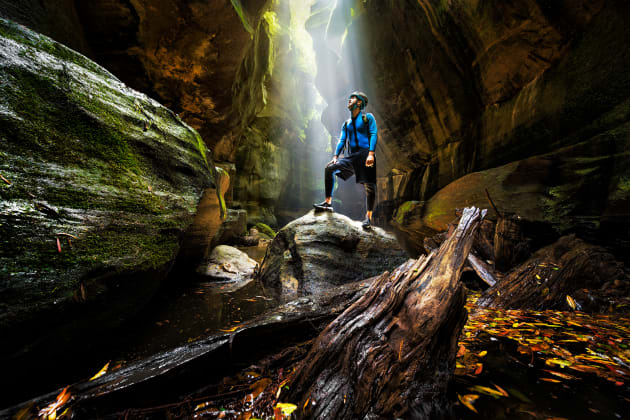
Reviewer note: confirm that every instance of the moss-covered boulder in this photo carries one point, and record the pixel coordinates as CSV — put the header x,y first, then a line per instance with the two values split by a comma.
x,y
99,182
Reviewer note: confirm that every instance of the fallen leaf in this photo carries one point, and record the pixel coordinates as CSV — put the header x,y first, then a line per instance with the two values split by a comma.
x,y
571,302
555,381
101,372
231,329
286,408
482,353
461,351
559,374
468,400
559,362
5,180
518,394
479,368
503,391
487,391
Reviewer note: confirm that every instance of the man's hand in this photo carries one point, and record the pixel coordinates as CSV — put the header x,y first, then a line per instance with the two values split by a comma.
x,y
369,162
333,161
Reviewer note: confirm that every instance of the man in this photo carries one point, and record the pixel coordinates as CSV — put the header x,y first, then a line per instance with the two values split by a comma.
x,y
358,138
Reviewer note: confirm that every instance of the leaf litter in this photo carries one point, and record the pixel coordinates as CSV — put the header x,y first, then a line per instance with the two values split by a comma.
x,y
541,356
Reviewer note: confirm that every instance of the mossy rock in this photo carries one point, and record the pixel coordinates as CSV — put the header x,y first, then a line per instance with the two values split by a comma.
x,y
89,157
265,230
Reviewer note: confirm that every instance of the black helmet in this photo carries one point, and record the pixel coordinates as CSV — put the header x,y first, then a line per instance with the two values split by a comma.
x,y
360,95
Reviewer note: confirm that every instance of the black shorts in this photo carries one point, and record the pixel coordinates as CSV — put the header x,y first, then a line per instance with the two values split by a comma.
x,y
354,164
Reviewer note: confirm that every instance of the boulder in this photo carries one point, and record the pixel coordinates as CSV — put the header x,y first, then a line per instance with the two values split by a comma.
x,y
100,184
580,188
324,250
227,264
233,228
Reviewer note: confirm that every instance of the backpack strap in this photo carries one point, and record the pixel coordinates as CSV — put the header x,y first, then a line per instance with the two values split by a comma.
x,y
345,146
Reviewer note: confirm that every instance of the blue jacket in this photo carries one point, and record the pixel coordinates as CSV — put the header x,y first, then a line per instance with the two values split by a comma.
x,y
366,133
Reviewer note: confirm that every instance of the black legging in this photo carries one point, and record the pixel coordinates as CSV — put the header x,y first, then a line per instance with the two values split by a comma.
x,y
329,184
370,195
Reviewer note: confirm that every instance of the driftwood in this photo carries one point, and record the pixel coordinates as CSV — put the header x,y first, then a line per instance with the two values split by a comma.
x,y
569,267
483,270
151,381
474,263
392,353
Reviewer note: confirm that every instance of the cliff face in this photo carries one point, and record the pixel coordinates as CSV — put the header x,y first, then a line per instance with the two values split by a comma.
x,y
99,185
468,86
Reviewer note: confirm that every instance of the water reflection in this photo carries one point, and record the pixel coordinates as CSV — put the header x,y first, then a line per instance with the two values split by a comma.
x,y
202,309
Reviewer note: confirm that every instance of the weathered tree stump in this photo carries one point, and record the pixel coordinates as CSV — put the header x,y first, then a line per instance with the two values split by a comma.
x,y
568,267
392,353
510,244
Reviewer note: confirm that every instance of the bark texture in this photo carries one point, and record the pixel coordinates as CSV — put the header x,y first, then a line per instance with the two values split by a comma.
x,y
392,353
569,267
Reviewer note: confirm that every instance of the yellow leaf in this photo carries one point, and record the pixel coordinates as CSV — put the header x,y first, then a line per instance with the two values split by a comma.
x,y
503,391
53,415
486,390
537,276
483,353
571,302
560,362
468,400
231,329
286,408
101,372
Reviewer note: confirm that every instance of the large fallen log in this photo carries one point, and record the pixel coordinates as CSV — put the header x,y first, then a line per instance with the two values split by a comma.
x,y
586,273
392,353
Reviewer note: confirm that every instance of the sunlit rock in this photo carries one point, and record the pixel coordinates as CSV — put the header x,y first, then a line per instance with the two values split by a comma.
x,y
228,266
101,184
323,250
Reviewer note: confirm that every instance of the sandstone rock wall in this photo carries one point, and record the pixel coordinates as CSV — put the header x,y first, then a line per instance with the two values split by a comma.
x,y
99,185
469,86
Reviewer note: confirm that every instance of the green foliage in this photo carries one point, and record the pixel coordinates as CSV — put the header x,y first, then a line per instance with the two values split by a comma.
x,y
265,230
241,14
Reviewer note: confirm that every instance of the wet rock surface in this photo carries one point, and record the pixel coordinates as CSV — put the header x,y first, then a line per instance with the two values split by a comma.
x,y
101,184
325,250
232,229
229,266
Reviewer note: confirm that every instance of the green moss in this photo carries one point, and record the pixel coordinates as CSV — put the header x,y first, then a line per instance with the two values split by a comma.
x,y
15,32
265,230
624,184
241,14
272,21
201,145
403,210
55,125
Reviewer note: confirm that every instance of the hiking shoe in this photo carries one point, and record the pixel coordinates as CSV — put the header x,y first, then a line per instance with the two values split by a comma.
x,y
323,206
366,224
